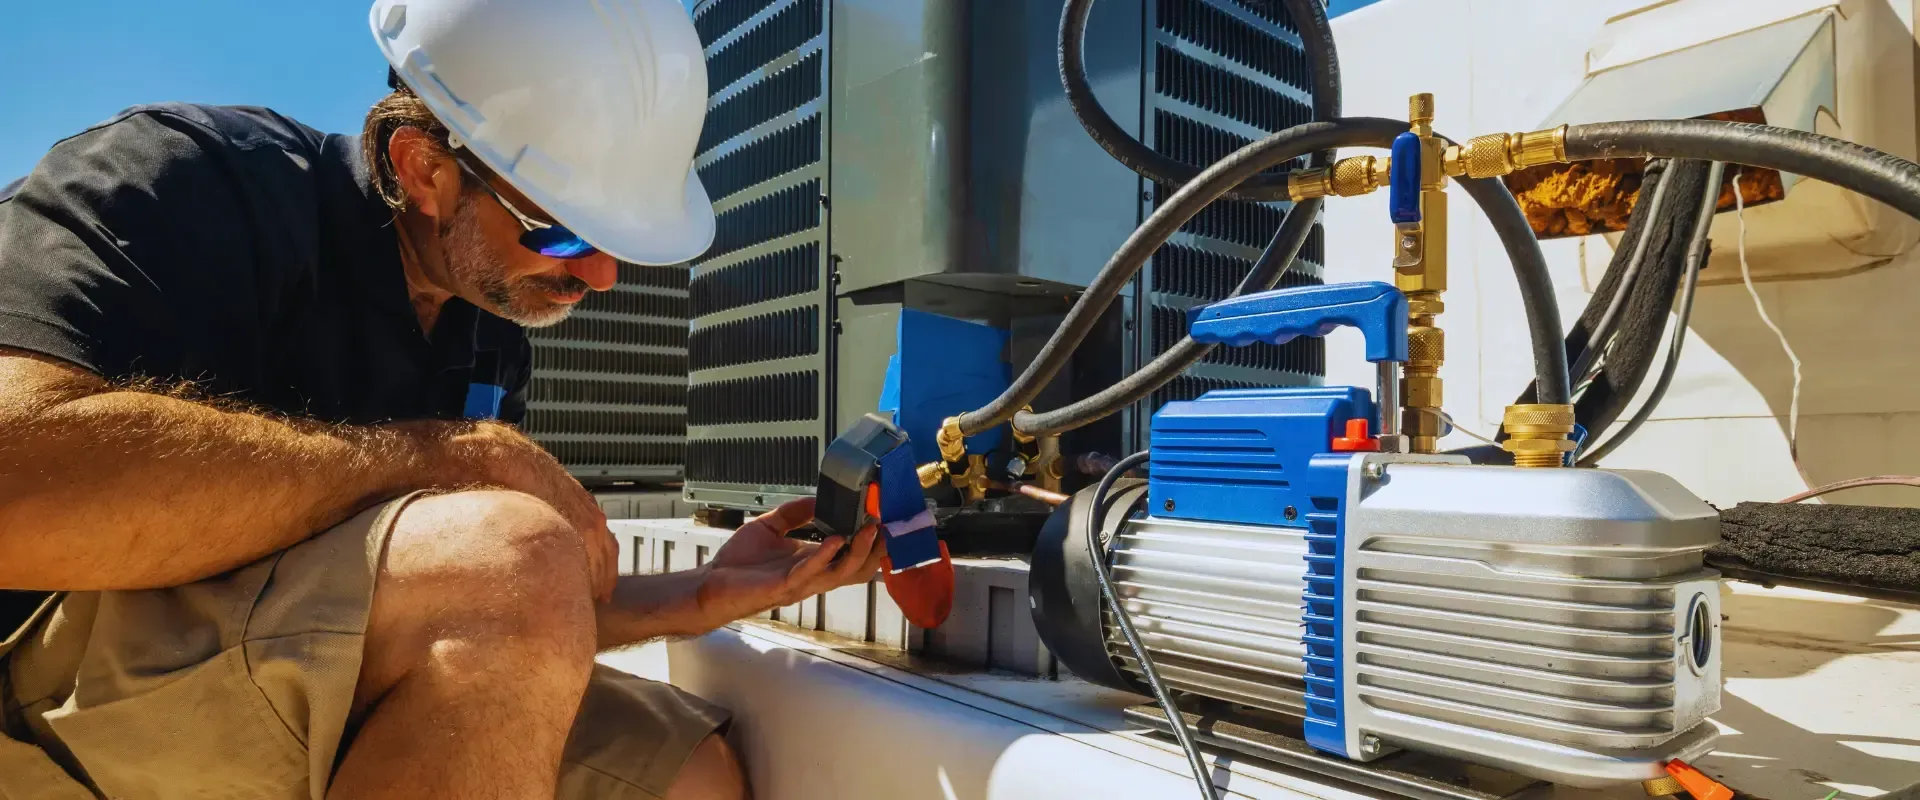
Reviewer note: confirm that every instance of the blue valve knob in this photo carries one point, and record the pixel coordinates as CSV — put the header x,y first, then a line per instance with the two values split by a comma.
x,y
1276,317
1403,180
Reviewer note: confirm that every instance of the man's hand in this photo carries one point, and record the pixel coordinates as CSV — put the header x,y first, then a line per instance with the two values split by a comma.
x,y
503,456
760,568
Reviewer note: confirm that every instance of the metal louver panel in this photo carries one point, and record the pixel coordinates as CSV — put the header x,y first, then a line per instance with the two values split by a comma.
x,y
758,338
608,396
1221,75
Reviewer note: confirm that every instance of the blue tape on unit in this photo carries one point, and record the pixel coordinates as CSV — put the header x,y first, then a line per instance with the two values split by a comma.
x,y
909,533
944,366
483,401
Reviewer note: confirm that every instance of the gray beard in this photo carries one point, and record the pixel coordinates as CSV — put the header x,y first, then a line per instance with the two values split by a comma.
x,y
479,270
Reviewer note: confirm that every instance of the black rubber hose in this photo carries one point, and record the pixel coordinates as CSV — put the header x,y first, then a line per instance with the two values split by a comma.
x,y
1881,176
1697,249
1536,285
1309,16
1208,186
1201,776
1266,273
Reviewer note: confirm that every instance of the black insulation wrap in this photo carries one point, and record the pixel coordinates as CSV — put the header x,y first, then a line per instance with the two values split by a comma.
x,y
1882,176
1208,186
1316,34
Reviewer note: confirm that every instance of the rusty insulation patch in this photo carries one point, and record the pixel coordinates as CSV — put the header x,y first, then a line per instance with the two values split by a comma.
x,y
1598,196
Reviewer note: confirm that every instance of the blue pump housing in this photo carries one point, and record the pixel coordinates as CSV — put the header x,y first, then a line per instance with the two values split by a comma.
x,y
1262,457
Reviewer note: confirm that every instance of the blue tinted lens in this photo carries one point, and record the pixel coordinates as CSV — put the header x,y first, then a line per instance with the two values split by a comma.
x,y
556,242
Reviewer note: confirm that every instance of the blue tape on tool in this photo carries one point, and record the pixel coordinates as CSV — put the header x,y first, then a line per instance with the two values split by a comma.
x,y
911,539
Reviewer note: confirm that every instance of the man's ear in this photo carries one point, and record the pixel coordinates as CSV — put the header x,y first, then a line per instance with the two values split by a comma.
x,y
425,171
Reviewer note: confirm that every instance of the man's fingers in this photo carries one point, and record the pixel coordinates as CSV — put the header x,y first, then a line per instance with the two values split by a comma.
x,y
791,514
816,563
860,556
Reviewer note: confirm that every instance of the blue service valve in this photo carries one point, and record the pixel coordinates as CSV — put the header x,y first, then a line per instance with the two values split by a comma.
x,y
1276,317
1403,180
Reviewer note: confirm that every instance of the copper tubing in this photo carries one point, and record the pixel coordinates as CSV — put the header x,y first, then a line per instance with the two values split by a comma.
x,y
1042,495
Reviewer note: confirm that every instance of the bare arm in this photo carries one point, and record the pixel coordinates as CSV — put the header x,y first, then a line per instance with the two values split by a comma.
x,y
113,489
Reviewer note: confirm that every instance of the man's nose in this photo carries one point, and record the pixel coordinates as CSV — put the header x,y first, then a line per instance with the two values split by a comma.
x,y
599,271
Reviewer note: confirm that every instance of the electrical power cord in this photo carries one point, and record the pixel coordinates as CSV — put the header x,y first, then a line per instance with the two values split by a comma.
x,y
1201,776
1855,483
1746,277
1696,261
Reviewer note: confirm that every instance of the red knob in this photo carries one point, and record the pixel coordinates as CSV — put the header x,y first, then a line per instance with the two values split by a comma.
x,y
1356,440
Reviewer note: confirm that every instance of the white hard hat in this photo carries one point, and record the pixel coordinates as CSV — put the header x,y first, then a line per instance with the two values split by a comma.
x,y
591,108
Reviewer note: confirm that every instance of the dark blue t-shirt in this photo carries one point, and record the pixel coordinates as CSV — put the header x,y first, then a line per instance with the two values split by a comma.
x,y
246,253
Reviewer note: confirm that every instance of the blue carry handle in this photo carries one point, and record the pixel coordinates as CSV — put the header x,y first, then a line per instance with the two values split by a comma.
x,y
1281,315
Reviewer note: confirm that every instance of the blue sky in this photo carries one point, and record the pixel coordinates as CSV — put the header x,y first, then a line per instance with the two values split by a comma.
x,y
71,63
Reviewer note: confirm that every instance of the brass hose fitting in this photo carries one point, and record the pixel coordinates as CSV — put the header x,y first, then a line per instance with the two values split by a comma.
x,y
1497,154
1537,434
933,474
1420,271
1663,786
1350,177
953,444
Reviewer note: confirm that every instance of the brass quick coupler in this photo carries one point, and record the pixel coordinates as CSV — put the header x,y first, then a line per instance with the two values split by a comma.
x,y
953,443
1537,434
1497,154
1350,177
933,474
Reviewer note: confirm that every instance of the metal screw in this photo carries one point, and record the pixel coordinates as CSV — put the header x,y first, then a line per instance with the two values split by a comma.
x,y
1409,241
1291,513
1370,745
1374,470
1169,504
759,500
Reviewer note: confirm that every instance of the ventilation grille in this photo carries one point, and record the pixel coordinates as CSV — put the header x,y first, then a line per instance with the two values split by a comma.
x,y
1196,143
780,34
787,397
1203,85
785,461
782,213
1220,32
759,103
769,157
602,330
1206,275
786,273
1305,355
577,390
1223,76
609,391
758,296
768,337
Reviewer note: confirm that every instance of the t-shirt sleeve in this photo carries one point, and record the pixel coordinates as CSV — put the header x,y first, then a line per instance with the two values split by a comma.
x,y
130,251
513,407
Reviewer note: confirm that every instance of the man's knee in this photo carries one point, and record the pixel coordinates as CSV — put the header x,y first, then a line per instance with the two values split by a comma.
x,y
713,772
497,567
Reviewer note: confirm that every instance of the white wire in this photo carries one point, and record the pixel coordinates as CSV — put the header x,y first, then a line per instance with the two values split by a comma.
x,y
1448,419
1746,275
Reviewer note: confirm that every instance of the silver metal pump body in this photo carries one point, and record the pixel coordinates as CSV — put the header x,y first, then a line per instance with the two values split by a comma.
x,y
1556,623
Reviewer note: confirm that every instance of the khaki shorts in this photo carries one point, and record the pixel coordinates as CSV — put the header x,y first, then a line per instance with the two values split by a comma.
x,y
239,686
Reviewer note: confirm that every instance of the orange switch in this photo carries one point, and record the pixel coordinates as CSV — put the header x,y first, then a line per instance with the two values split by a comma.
x,y
1697,783
1356,440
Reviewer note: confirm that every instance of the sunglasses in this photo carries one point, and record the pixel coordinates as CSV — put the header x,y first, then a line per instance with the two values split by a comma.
x,y
546,238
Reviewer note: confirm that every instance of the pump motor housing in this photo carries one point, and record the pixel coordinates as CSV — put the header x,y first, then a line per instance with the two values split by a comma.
x,y
1556,623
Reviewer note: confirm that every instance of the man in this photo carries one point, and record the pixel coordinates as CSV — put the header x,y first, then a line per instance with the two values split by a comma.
x,y
258,481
